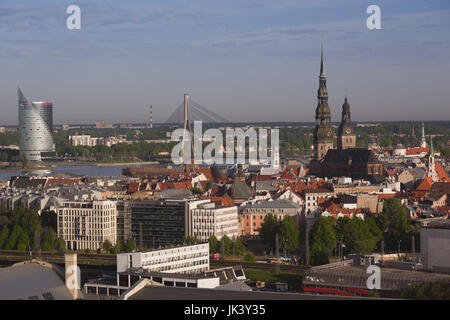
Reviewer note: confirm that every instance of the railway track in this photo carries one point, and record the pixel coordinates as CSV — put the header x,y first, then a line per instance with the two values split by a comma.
x,y
111,259
20,256
261,266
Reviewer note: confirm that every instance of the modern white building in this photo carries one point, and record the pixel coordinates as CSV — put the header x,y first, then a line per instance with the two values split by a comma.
x,y
205,219
184,259
87,224
83,140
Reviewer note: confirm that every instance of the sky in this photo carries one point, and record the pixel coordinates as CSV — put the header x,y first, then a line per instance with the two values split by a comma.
x,y
247,60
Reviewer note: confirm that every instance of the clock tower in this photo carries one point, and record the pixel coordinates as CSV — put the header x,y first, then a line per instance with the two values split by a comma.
x,y
346,136
323,134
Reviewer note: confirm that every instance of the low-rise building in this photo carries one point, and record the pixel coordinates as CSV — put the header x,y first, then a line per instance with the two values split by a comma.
x,y
435,245
252,215
184,259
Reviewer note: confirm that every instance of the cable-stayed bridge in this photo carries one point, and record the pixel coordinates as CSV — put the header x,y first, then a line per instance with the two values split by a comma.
x,y
196,112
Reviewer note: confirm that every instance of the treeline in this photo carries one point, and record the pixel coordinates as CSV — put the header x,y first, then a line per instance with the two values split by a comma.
x,y
8,138
363,236
9,155
23,229
117,152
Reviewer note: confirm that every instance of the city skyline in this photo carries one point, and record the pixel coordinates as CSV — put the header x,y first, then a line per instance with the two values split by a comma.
x,y
248,61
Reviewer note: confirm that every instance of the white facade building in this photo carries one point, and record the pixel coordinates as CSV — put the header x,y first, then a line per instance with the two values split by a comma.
x,y
185,259
87,224
205,219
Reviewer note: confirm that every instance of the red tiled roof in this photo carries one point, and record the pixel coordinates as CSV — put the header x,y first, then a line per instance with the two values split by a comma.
x,y
441,172
207,173
425,185
133,187
225,201
413,151
385,195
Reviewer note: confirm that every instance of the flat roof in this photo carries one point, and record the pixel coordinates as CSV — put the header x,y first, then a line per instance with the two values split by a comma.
x,y
180,293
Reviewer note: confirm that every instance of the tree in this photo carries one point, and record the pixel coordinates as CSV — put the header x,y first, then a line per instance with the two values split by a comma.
x,y
107,245
213,244
394,223
4,237
227,245
49,240
189,240
120,246
323,240
130,245
289,234
249,257
239,248
60,245
269,229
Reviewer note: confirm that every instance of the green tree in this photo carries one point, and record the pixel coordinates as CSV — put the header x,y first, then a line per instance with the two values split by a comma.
x,y
4,237
394,223
213,244
289,234
323,240
107,245
228,245
130,245
249,257
49,240
269,228
120,246
239,248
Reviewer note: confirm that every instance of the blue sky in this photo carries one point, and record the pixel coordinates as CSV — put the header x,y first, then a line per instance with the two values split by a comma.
x,y
248,60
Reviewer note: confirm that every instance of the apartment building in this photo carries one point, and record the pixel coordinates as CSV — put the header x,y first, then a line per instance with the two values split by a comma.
x,y
204,219
87,224
252,215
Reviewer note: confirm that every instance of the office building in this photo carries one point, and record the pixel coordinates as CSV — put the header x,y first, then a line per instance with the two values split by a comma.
x,y
87,224
35,129
183,259
205,219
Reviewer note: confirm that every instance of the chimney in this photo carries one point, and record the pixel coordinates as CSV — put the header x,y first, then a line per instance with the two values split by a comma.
x,y
72,274
151,117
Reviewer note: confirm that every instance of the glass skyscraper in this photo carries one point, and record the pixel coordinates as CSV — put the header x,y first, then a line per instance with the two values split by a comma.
x,y
35,128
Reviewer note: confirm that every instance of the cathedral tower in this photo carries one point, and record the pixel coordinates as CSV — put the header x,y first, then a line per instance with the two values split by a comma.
x,y
323,134
346,137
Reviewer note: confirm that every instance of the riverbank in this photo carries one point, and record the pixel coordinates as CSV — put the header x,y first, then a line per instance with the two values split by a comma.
x,y
47,165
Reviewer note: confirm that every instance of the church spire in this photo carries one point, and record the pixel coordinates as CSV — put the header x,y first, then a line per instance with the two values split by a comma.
x,y
323,113
322,65
423,142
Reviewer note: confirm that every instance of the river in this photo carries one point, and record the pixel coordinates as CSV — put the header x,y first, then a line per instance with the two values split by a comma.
x,y
92,171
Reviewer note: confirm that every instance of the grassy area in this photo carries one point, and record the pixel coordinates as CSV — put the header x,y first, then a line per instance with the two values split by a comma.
x,y
293,280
